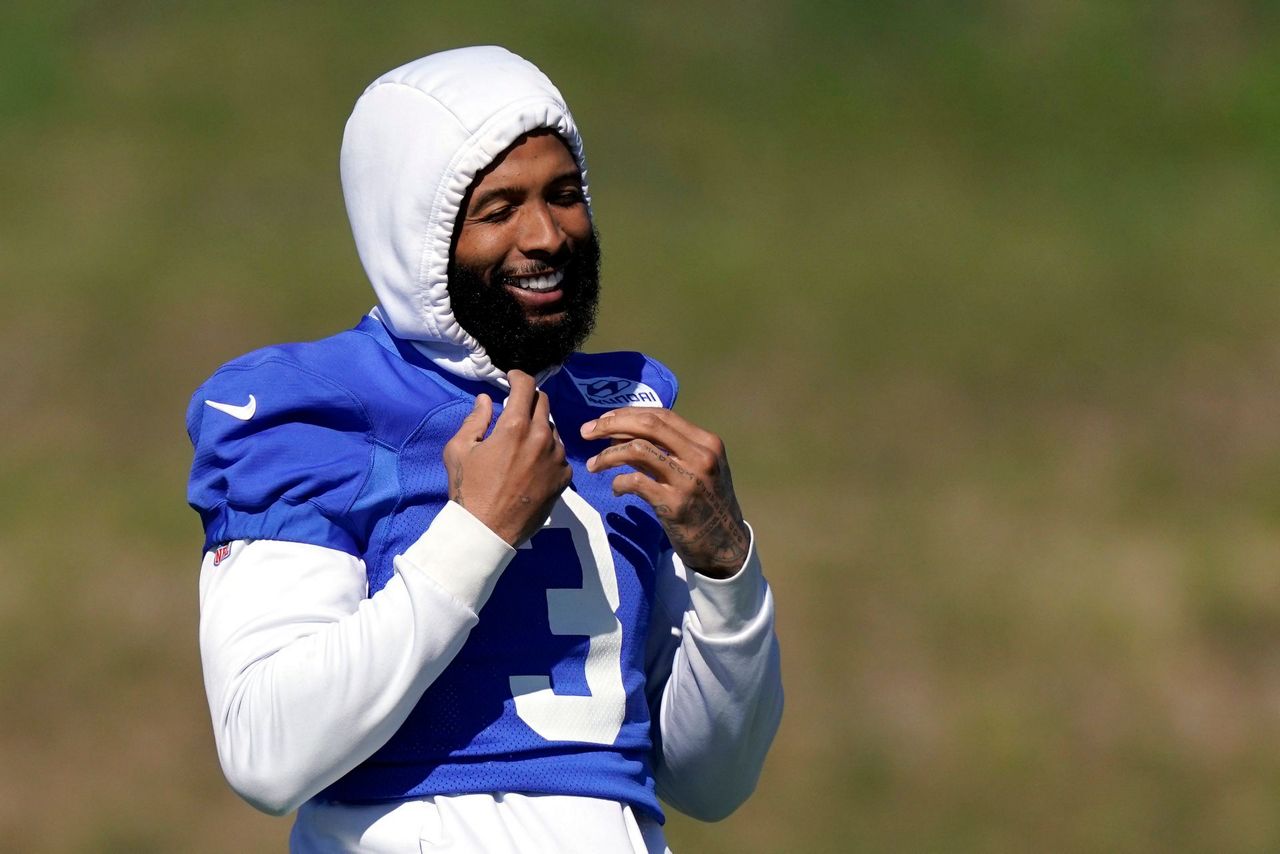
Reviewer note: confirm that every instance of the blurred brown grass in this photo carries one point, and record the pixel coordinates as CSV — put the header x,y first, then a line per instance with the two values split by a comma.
x,y
980,295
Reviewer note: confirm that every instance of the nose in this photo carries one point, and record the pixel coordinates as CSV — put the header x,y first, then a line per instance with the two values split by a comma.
x,y
540,233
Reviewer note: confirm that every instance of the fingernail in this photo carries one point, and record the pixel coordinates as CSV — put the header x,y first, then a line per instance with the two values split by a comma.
x,y
592,461
588,427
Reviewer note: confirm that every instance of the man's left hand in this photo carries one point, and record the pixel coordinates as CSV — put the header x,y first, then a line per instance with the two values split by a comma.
x,y
683,473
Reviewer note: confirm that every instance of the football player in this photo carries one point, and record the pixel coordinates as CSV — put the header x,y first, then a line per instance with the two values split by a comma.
x,y
464,586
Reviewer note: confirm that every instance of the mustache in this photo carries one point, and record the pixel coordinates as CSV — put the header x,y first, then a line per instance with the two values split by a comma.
x,y
528,270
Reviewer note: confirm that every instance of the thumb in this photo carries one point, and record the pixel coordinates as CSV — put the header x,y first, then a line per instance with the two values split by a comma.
x,y
477,421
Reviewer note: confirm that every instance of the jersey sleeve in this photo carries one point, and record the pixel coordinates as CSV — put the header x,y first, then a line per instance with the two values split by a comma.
x,y
306,676
714,685
281,453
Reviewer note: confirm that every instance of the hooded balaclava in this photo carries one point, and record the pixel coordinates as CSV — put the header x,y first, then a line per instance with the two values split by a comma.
x,y
416,140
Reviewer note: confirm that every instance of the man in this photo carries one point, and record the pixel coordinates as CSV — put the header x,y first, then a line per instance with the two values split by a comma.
x,y
427,628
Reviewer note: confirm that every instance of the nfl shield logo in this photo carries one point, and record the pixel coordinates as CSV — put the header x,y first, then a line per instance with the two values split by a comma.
x,y
221,553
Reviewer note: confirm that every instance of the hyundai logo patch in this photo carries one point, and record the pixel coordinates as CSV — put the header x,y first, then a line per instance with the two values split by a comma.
x,y
612,392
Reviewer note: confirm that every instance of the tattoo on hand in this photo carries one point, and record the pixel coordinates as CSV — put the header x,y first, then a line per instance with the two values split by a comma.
x,y
712,527
456,497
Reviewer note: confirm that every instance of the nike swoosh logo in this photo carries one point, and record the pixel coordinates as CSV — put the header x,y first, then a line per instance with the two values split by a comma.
x,y
244,413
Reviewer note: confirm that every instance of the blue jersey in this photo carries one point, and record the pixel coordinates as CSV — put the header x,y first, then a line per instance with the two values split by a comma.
x,y
339,443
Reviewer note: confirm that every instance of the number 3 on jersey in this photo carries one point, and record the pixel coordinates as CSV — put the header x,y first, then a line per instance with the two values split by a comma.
x,y
590,610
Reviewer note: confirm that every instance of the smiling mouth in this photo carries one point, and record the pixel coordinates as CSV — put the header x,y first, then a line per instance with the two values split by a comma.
x,y
544,282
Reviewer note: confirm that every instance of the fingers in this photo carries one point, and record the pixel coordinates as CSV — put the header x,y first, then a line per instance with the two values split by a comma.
x,y
698,450
642,456
521,401
477,421
643,487
662,427
541,408
527,408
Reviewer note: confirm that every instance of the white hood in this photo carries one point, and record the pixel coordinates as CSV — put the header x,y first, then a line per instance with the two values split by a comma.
x,y
414,143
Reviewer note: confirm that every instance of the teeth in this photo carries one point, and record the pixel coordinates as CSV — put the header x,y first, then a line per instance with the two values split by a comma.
x,y
539,283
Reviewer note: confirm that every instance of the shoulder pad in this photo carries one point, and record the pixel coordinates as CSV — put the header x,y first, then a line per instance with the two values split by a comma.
x,y
610,380
281,453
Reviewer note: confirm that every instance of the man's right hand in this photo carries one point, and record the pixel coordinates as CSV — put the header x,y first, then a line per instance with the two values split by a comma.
x,y
510,480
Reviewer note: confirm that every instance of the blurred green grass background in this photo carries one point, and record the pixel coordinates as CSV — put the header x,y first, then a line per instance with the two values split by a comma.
x,y
981,296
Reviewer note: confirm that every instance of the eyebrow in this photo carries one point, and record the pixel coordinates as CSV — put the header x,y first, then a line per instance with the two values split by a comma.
x,y
515,193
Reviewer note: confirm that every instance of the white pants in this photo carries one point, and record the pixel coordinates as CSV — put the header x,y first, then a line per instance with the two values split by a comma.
x,y
477,824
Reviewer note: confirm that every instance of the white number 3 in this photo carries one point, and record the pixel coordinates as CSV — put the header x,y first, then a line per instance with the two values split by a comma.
x,y
589,610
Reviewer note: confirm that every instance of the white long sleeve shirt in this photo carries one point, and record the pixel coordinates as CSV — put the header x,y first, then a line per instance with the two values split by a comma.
x,y
307,676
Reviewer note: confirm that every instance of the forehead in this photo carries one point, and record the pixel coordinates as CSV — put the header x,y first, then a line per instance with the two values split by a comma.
x,y
536,157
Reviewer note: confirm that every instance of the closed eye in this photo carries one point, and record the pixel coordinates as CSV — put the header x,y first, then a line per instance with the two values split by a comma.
x,y
568,197
501,214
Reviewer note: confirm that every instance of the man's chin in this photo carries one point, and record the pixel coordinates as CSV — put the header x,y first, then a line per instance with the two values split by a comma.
x,y
527,329
546,319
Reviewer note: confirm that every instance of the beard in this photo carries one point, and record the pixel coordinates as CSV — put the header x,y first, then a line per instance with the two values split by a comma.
x,y
493,317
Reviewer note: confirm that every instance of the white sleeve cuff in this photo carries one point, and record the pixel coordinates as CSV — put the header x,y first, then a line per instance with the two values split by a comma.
x,y
460,553
726,606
